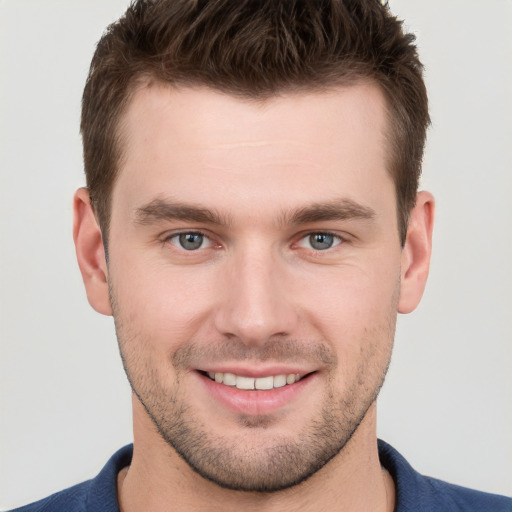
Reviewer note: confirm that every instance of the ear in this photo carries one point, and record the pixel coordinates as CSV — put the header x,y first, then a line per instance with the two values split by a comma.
x,y
416,253
90,252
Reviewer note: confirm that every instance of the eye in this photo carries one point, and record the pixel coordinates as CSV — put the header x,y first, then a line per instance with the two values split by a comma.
x,y
320,241
190,241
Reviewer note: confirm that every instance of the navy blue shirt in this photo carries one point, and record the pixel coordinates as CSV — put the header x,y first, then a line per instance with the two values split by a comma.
x,y
414,492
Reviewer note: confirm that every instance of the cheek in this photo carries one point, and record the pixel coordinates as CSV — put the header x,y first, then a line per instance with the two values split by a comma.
x,y
160,302
355,312
352,297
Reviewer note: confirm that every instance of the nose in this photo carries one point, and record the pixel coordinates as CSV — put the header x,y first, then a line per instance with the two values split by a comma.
x,y
256,303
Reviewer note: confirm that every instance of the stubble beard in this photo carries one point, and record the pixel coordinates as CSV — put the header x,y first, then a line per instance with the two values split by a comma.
x,y
258,460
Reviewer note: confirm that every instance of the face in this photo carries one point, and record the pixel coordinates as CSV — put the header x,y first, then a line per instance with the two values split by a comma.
x,y
254,273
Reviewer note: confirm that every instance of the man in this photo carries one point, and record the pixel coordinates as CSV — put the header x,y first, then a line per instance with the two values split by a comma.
x,y
252,222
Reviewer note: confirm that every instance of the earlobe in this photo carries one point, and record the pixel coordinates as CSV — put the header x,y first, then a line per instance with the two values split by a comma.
x,y
90,252
416,253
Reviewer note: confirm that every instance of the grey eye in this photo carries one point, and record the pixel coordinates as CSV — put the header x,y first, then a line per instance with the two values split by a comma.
x,y
321,241
191,241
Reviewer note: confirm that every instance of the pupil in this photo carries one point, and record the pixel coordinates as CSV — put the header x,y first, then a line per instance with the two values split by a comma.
x,y
321,241
191,241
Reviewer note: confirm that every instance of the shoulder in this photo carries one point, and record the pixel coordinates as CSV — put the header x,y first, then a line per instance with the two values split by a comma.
x,y
464,499
73,498
417,492
100,493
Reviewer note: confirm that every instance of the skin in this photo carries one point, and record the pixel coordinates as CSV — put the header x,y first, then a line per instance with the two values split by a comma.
x,y
255,298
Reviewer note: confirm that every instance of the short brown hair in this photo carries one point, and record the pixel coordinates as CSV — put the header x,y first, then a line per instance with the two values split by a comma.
x,y
255,49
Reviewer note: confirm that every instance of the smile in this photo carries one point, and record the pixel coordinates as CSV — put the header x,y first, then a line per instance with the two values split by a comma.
x,y
258,383
256,392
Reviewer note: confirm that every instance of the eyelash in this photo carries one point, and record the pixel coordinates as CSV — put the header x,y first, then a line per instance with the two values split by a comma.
x,y
337,240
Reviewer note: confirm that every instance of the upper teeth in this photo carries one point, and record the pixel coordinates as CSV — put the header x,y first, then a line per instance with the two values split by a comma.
x,y
270,382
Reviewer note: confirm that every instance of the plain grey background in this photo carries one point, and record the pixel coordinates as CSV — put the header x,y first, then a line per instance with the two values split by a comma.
x,y
64,400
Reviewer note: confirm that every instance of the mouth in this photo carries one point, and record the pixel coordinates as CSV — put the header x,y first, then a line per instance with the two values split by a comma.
x,y
264,383
262,393
253,390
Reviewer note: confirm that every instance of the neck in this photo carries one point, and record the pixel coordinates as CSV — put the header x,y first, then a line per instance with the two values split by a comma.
x,y
353,480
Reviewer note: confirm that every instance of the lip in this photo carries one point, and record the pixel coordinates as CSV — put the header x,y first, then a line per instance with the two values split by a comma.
x,y
256,402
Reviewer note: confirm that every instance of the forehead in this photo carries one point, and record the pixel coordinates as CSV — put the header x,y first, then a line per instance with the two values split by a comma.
x,y
201,115
291,148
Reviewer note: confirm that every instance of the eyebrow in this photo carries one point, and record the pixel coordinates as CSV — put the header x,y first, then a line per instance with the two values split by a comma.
x,y
338,209
164,210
